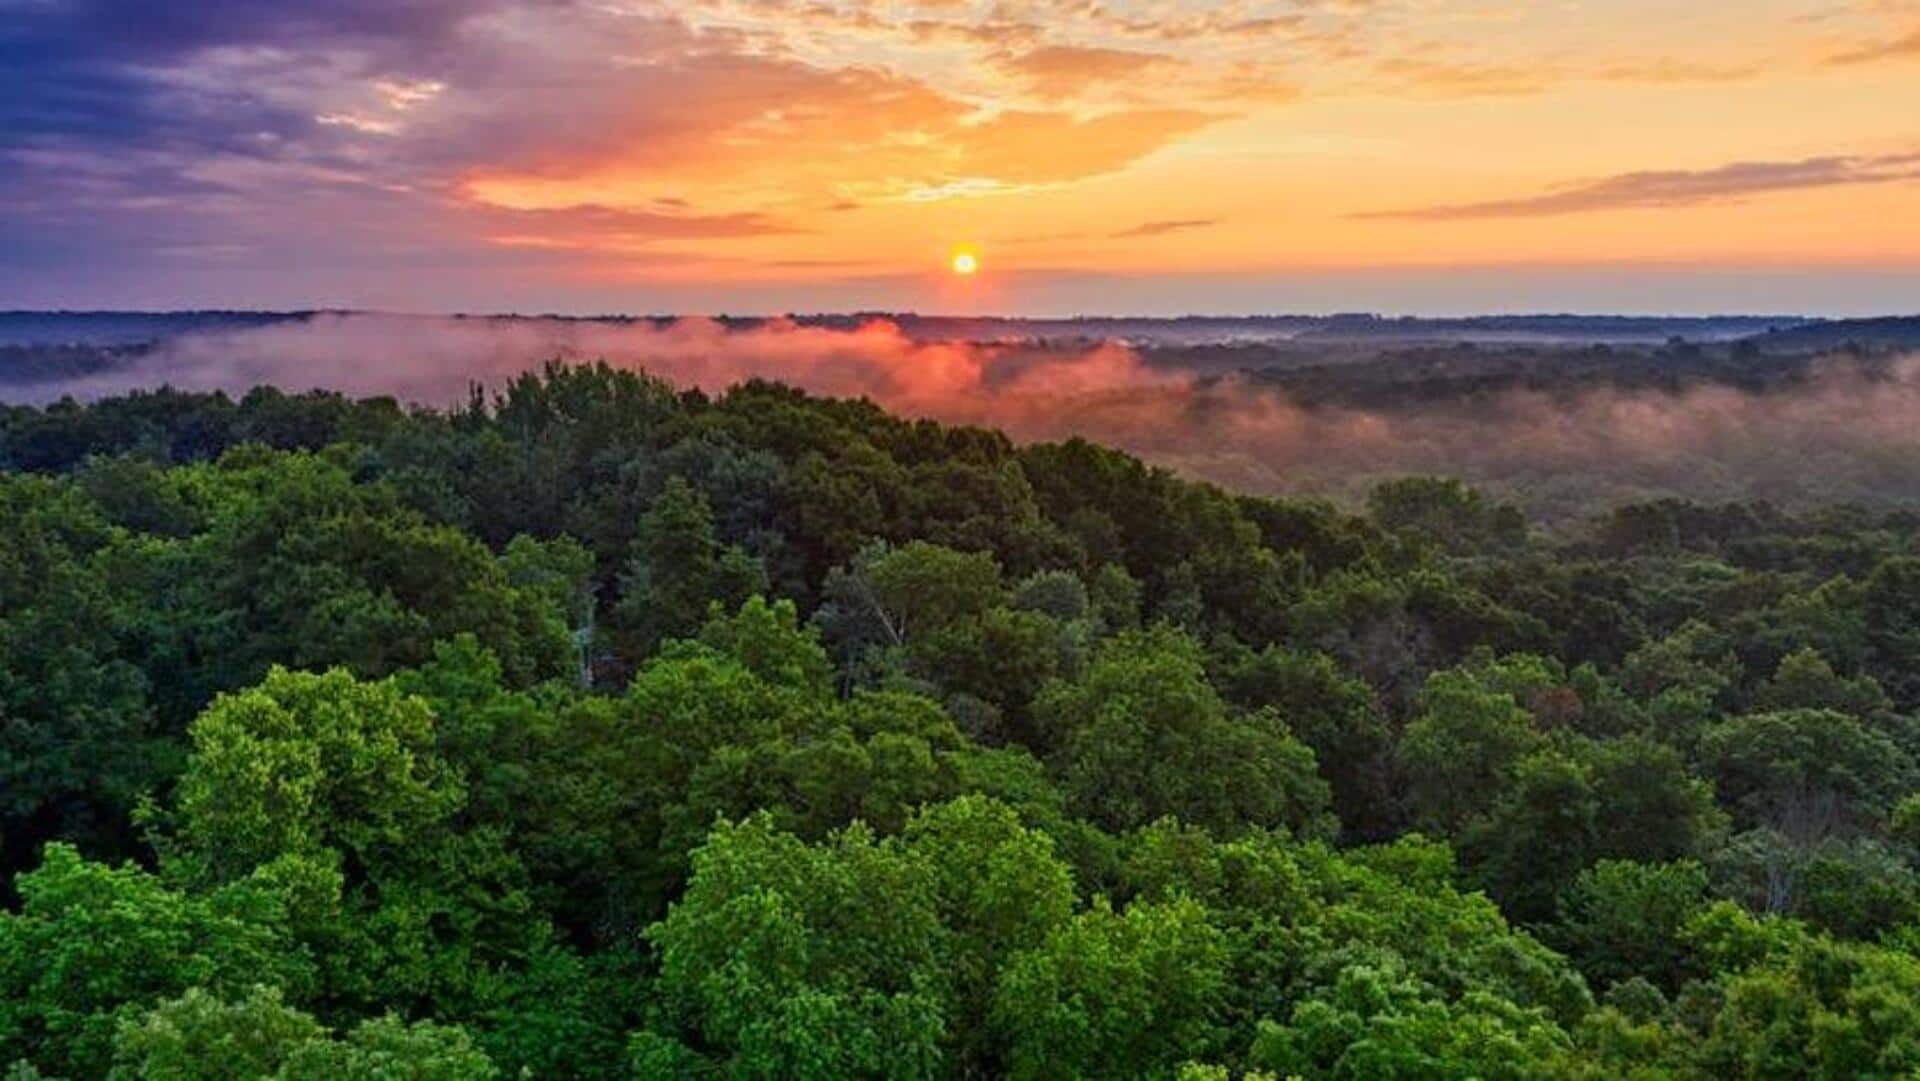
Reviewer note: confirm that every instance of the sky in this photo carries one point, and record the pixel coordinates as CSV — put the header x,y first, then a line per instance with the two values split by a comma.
x,y
1099,156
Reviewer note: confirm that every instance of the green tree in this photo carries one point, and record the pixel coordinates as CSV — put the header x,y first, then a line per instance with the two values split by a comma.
x,y
1375,1022
1444,512
1537,837
1807,772
79,739
1143,734
888,597
1001,657
679,568
1001,890
198,1037
793,960
1458,752
328,772
1805,680
767,638
1338,716
1818,1009
1891,623
93,946
388,1049
1620,920
1114,994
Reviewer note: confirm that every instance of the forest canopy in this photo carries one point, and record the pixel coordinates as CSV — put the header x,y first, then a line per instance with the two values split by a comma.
x,y
604,729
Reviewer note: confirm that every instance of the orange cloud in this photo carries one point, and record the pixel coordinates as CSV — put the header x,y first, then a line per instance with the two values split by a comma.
x,y
1903,48
1677,188
751,132
1061,71
1052,147
1160,228
1451,79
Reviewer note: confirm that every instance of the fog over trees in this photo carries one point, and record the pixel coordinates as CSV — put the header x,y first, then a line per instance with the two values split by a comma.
x,y
1564,416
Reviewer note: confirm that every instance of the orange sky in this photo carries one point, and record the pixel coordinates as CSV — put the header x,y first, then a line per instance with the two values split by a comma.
x,y
746,153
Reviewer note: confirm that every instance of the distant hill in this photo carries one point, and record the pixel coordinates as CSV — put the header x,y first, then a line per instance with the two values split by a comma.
x,y
1890,333
1348,328
1549,329
22,328
119,329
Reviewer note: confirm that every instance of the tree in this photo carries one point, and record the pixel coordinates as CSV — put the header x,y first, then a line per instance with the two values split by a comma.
x,y
1805,680
1621,920
304,763
767,638
93,946
1807,772
79,735
1056,593
1001,657
198,1037
1142,734
388,1049
1650,807
1458,751
1296,913
1001,891
328,775
1815,1008
560,571
1682,679
1375,1022
302,566
679,568
888,597
1891,622
788,959
1338,716
1853,887
1443,511
1114,994
1537,837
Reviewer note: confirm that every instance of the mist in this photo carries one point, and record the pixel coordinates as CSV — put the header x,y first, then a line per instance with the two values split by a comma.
x,y
1842,433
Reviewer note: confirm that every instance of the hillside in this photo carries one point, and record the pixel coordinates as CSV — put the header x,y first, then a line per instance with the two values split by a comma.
x,y
1870,335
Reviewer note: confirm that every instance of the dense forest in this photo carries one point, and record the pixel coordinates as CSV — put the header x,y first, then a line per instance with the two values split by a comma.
x,y
603,729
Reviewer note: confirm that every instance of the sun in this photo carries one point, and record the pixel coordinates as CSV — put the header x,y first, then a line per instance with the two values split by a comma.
x,y
965,262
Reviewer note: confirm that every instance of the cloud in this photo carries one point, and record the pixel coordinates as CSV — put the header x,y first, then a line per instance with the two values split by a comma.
x,y
83,70
1669,70
1903,48
1062,71
1454,79
614,230
1676,188
353,131
1464,80
1042,147
732,124
334,135
1159,228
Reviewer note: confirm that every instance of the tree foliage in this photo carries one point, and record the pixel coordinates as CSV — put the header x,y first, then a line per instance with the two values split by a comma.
x,y
598,729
